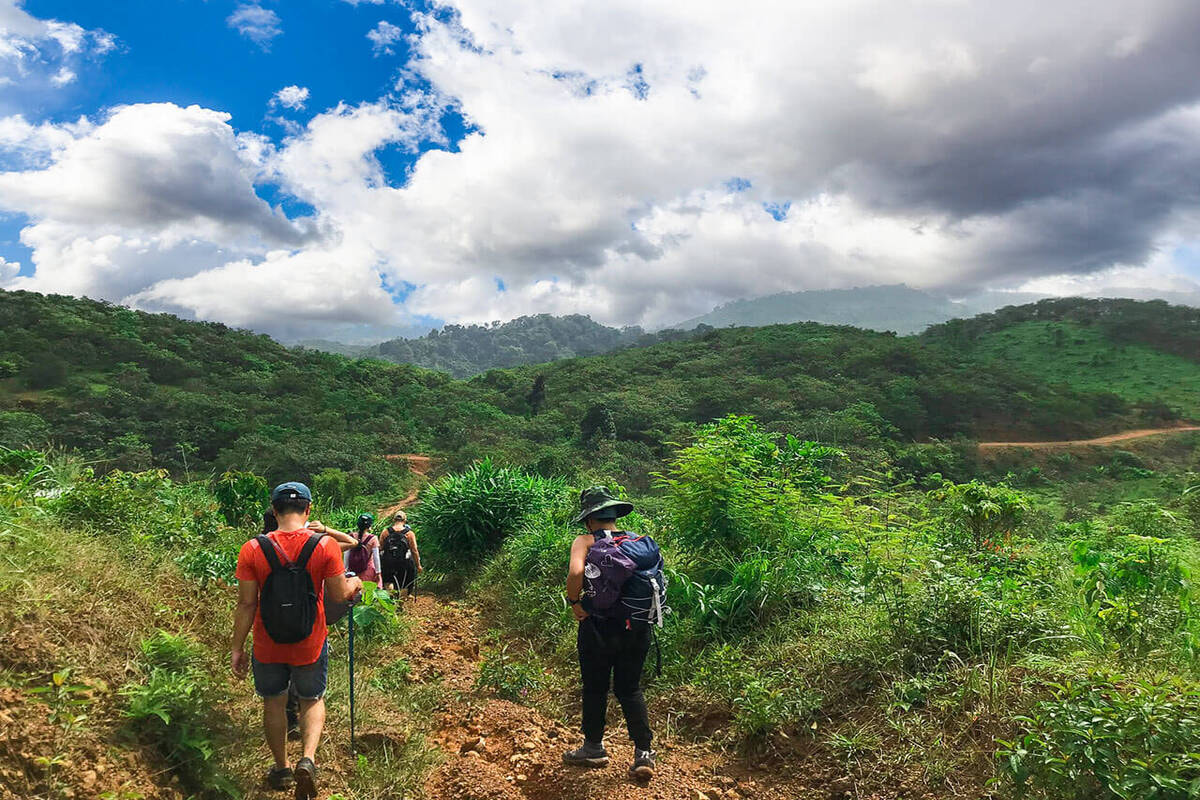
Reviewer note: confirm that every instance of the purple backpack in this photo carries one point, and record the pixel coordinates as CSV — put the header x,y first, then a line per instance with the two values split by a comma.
x,y
605,571
359,561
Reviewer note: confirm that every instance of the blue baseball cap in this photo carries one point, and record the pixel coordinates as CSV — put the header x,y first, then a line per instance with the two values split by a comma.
x,y
292,490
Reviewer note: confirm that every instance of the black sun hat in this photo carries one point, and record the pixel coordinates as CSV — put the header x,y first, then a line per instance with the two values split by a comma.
x,y
598,498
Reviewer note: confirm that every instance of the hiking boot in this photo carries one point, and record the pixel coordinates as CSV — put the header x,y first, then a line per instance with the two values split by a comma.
x,y
591,754
643,765
280,778
306,779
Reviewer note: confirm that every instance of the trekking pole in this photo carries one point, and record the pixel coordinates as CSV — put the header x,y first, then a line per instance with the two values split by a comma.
x,y
350,627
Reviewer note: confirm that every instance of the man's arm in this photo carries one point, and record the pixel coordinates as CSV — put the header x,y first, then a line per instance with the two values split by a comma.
x,y
341,589
579,549
243,620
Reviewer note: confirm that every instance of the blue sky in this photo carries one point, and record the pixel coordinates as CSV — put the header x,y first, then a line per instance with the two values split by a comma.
x,y
186,52
640,161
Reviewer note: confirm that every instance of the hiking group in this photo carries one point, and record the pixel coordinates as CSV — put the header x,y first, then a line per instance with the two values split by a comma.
x,y
294,580
299,576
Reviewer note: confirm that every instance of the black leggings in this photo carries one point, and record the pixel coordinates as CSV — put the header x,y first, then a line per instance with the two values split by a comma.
x,y
610,653
403,573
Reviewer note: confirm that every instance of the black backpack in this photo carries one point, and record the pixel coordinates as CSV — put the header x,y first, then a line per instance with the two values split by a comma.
x,y
395,547
288,601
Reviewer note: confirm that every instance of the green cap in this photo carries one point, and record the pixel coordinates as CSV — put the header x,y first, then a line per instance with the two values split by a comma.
x,y
598,498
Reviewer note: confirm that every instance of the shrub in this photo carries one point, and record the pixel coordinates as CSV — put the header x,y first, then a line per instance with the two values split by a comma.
x,y
143,507
1106,741
172,709
241,496
762,701
1136,590
334,488
509,676
375,614
23,429
466,516
986,513
736,489
1144,518
751,591
209,565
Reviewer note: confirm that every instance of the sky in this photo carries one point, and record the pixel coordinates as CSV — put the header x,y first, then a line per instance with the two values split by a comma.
x,y
355,169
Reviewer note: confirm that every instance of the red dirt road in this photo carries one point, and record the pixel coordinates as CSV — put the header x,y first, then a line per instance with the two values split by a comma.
x,y
1101,440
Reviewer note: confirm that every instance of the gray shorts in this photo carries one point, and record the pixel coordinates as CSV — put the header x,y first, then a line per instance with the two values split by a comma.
x,y
272,680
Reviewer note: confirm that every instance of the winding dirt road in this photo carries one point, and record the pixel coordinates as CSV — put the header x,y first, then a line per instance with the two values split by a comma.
x,y
1100,440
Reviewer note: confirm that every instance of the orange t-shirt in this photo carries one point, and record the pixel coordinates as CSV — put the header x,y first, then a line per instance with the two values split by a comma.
x,y
325,562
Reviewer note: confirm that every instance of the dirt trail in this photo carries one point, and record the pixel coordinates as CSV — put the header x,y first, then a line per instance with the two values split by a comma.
x,y
1101,440
419,465
498,750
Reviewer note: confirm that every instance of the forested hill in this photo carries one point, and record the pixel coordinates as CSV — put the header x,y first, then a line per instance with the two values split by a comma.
x,y
466,350
135,390
1153,323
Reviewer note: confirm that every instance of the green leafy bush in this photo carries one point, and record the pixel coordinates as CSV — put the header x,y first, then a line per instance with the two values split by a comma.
x,y
762,700
1136,590
242,497
735,489
467,515
142,507
1107,741
375,614
508,675
986,513
209,565
171,708
335,488
751,591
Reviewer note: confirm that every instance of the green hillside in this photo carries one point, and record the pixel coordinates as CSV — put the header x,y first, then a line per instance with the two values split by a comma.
x,y
1086,358
135,390
856,611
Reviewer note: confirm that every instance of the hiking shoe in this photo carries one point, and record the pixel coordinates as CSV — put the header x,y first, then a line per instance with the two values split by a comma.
x,y
643,765
280,778
590,755
306,779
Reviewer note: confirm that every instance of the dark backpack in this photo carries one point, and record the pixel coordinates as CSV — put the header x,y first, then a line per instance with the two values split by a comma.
x,y
288,601
635,565
395,546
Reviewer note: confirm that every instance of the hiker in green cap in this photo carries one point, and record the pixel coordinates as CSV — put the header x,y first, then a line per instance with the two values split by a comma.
x,y
614,636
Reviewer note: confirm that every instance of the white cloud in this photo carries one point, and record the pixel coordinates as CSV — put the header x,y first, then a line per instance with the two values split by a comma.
x,y
63,77
44,52
259,25
383,36
153,191
8,270
293,97
950,146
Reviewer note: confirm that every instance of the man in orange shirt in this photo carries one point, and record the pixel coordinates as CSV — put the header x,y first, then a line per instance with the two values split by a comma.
x,y
302,660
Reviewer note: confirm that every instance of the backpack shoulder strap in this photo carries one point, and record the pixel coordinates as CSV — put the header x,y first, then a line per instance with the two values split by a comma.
x,y
313,540
269,552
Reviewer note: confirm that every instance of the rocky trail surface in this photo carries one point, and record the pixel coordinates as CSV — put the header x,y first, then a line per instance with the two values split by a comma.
x,y
1100,440
499,750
